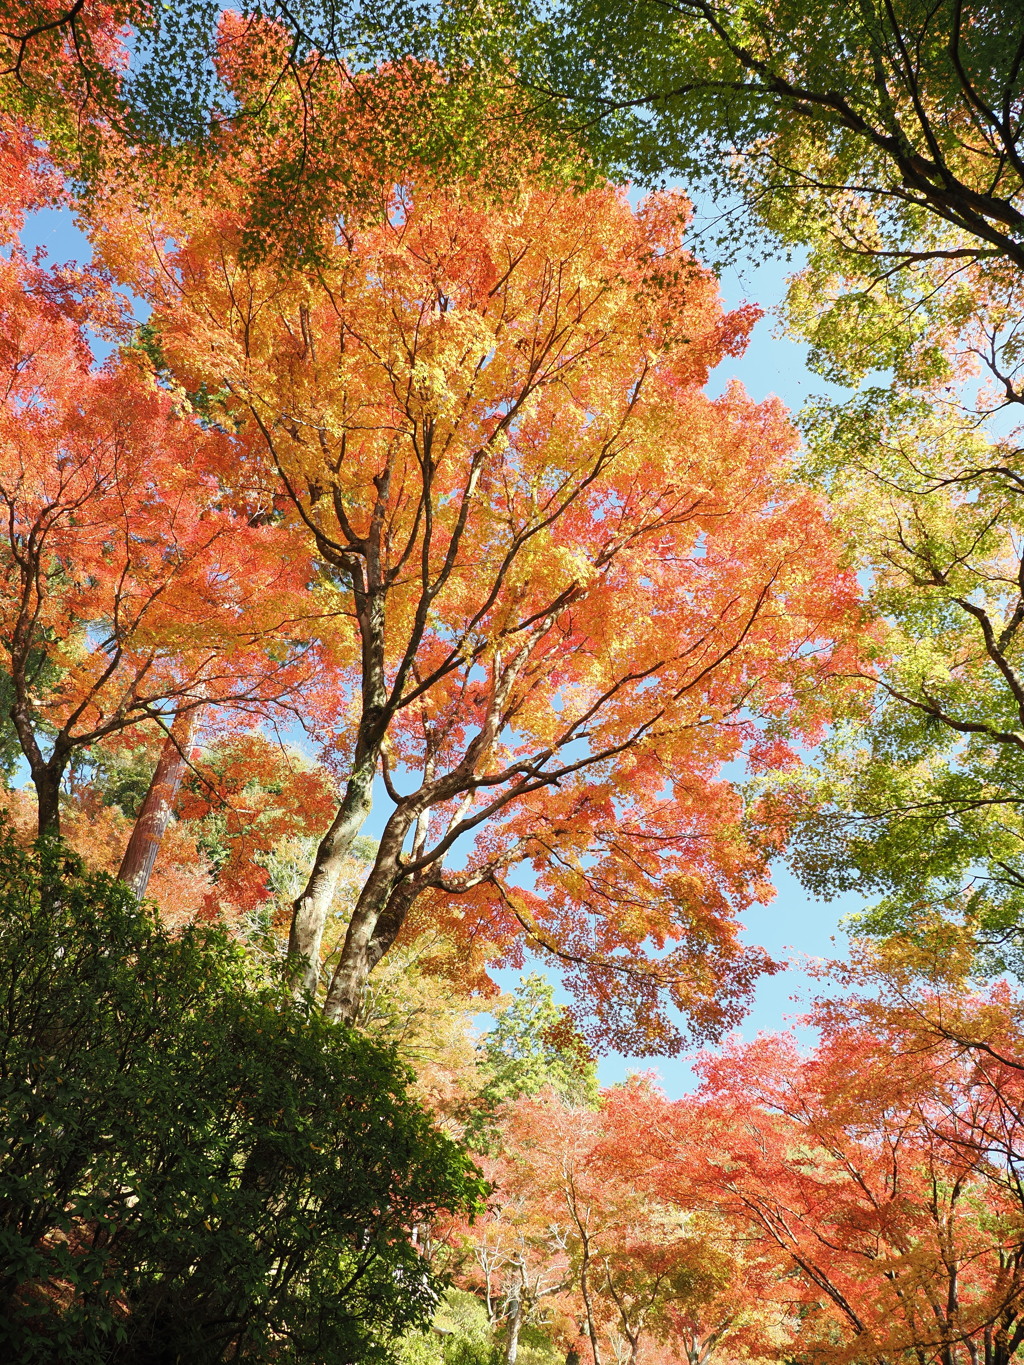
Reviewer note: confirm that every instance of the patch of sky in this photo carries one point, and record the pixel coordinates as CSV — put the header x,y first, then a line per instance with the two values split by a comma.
x,y
55,233
400,204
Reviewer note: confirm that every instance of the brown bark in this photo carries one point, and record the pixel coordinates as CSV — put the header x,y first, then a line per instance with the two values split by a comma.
x,y
47,774
46,780
371,933
158,806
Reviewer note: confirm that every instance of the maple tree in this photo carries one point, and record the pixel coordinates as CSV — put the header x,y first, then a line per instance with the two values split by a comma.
x,y
520,1257
121,600
328,92
910,158
577,1237
915,996
61,65
181,881
899,183
898,188
566,586
224,849
246,795
847,1166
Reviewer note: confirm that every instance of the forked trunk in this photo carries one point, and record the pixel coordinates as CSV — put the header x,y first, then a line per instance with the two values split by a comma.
x,y
371,933
312,907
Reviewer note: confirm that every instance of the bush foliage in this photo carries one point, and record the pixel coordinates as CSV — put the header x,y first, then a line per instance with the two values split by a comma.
x,y
191,1168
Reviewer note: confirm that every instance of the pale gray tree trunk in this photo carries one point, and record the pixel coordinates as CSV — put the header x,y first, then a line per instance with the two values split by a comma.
x,y
514,1323
311,908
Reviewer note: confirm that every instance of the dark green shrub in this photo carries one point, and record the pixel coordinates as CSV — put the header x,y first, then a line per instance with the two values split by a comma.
x,y
191,1169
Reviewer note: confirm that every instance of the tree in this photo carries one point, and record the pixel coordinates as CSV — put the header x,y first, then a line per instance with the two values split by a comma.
x,y
888,133
882,143
923,804
901,180
245,796
190,1168
690,1280
488,422
518,1262
898,1242
121,602
576,1232
534,1046
913,997
140,92
157,809
99,833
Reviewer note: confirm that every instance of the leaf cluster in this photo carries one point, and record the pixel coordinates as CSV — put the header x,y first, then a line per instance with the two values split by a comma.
x,y
533,1046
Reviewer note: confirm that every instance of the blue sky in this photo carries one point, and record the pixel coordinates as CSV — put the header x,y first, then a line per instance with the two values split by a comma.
x,y
54,230
793,926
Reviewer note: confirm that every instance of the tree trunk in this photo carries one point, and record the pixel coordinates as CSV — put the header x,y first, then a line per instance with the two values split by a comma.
x,y
370,934
515,1323
312,907
46,781
47,774
158,806
585,1290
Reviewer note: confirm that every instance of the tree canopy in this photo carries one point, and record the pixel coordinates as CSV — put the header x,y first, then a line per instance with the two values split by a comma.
x,y
564,587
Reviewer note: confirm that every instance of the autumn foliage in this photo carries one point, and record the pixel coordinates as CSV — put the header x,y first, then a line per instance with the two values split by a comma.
x,y
123,599
452,495
861,1200
579,1239
391,596
563,586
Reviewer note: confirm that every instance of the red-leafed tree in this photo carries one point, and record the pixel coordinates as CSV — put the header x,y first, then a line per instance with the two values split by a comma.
x,y
952,1052
568,586
852,1167
133,589
577,1237
258,793
519,1260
